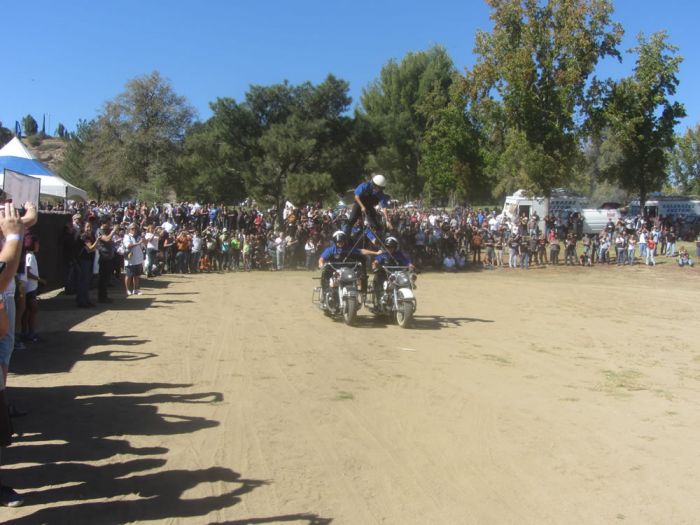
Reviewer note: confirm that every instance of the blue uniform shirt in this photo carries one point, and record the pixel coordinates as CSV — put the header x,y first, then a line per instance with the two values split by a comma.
x,y
335,253
371,196
399,259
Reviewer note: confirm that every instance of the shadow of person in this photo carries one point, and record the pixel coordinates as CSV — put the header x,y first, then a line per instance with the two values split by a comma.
x,y
72,426
309,519
61,350
438,322
143,497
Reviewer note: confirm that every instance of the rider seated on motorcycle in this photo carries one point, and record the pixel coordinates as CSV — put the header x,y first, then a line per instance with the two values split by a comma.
x,y
367,196
340,251
394,257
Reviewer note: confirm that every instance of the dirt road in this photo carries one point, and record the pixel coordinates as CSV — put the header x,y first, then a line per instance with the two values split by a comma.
x,y
550,396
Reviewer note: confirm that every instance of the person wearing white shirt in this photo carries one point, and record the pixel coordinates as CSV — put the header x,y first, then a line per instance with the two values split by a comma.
x,y
31,272
133,261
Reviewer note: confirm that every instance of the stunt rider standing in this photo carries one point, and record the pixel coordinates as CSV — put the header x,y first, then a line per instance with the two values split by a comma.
x,y
341,251
394,257
367,196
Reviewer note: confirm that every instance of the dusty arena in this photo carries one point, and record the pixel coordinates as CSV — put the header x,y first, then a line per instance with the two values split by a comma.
x,y
557,395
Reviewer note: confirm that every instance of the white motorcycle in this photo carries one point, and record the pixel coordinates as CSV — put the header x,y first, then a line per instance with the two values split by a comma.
x,y
341,297
397,299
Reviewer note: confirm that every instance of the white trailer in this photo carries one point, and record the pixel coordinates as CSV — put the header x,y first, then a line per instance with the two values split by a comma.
x,y
676,206
561,204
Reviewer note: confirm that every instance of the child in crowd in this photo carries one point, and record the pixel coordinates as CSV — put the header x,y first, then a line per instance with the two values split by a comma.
x,y
31,244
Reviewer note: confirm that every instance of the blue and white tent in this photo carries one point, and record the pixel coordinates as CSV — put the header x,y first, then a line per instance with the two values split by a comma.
x,y
16,157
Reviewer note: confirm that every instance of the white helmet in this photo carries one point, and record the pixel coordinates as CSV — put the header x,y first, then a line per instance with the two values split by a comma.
x,y
379,181
339,236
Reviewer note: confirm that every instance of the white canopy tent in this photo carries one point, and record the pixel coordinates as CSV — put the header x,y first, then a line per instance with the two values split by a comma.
x,y
16,157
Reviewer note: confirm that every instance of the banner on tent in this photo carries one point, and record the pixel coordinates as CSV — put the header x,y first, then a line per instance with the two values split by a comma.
x,y
21,188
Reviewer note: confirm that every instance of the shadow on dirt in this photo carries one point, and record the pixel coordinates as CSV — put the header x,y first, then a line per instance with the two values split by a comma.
x,y
70,427
308,519
438,322
60,351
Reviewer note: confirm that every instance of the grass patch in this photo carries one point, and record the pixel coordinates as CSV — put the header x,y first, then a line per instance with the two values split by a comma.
x,y
622,382
497,359
342,395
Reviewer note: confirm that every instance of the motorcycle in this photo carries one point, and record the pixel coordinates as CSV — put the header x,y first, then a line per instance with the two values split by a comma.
x,y
397,299
342,297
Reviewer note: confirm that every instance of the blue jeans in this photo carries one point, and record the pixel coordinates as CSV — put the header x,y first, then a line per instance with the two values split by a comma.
x,y
513,259
181,259
525,261
7,343
280,259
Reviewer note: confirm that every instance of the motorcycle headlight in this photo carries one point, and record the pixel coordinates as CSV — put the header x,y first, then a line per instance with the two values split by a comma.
x,y
402,279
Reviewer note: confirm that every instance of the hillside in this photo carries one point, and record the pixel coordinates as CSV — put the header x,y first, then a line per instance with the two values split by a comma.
x,y
50,151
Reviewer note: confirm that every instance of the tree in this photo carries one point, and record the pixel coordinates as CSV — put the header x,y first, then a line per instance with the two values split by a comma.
x,y
30,125
61,131
5,135
451,163
399,105
300,146
685,161
282,142
133,145
529,86
83,162
641,118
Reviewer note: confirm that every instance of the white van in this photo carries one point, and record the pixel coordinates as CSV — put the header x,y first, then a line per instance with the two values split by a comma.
x,y
562,204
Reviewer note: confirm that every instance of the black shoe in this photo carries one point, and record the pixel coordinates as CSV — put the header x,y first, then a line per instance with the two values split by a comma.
x,y
9,498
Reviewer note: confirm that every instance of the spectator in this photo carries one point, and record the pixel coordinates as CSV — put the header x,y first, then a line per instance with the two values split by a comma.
x,y
11,227
133,261
107,250
684,258
86,260
28,333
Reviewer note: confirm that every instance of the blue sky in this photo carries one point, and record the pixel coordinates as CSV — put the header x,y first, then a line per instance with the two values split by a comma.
x,y
65,59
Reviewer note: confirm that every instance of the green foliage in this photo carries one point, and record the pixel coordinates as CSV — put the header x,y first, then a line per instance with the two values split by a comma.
x,y
685,162
34,140
30,125
309,187
5,135
283,142
400,105
451,161
529,86
641,118
61,131
134,144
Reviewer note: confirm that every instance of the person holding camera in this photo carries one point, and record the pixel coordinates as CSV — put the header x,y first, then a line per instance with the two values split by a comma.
x,y
107,250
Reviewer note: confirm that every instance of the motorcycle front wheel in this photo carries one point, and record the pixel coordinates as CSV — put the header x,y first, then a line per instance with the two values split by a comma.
x,y
350,311
404,315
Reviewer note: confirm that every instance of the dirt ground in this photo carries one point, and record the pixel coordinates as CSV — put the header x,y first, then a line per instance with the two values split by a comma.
x,y
562,395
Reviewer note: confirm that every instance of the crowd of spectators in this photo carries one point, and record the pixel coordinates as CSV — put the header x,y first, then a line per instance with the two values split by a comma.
x,y
110,239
